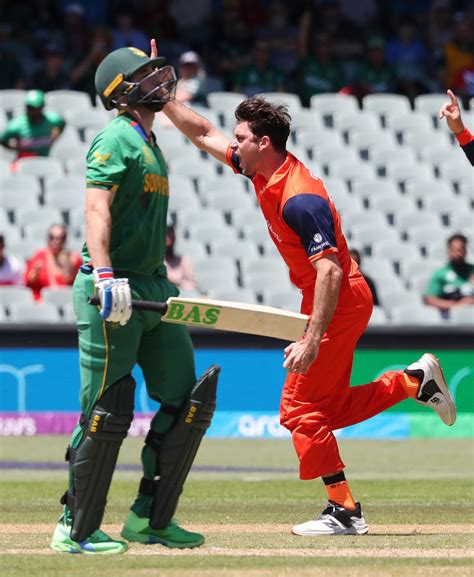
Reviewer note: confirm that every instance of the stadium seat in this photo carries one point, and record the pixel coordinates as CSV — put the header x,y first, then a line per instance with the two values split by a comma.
x,y
222,101
181,184
366,217
417,140
413,266
206,233
427,234
40,166
288,98
462,221
215,281
259,281
205,216
67,102
347,121
194,250
347,204
455,168
386,104
378,268
218,265
11,99
57,296
66,153
15,296
368,141
393,251
417,314
327,105
69,314
384,154
416,225
351,171
230,203
45,216
402,124
226,185
403,172
238,295
94,118
368,234
306,119
266,264
430,188
325,155
183,202
392,295
448,208
242,250
374,187
462,315
314,140
429,103
11,233
378,317
34,313
395,207
65,192
194,167
77,166
18,190
288,300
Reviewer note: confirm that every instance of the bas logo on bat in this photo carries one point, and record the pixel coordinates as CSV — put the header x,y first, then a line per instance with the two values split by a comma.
x,y
199,315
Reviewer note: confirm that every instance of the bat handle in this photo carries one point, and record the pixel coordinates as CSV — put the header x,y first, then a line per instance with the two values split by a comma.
x,y
152,306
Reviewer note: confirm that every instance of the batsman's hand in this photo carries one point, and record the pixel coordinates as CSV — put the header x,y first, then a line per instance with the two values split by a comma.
x,y
115,296
452,112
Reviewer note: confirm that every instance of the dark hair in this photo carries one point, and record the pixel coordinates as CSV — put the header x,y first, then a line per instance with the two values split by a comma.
x,y
266,119
2,239
457,236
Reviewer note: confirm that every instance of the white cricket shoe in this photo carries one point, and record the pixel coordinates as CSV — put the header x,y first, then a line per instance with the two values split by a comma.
x,y
335,520
433,391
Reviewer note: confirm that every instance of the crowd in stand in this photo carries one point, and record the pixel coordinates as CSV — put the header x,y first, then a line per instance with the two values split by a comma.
x,y
306,46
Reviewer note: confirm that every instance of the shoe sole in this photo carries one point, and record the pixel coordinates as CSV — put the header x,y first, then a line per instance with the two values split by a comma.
x,y
64,548
443,387
352,532
152,540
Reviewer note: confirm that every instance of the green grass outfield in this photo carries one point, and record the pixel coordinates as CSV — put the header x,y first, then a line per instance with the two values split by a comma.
x,y
417,497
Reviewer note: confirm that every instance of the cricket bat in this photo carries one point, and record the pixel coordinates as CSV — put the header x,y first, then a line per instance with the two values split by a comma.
x,y
226,316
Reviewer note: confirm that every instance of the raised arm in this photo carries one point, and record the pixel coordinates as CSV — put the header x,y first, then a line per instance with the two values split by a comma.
x,y
198,129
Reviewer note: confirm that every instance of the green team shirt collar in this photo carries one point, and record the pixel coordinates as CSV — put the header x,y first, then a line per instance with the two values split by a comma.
x,y
150,138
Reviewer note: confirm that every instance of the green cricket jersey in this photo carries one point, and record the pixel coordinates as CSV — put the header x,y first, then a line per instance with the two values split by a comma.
x,y
450,283
122,157
33,137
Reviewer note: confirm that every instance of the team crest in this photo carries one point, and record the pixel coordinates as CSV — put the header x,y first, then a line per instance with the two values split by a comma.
x,y
101,158
137,52
147,154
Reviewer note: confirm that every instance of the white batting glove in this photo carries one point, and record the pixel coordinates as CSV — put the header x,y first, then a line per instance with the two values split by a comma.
x,y
115,296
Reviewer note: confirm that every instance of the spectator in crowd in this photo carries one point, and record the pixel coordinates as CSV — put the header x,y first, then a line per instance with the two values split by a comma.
x,y
192,82
355,255
180,268
281,36
347,39
440,26
374,74
453,284
52,74
54,265
83,73
259,75
319,72
126,34
12,74
459,52
75,30
452,112
11,272
32,133
409,56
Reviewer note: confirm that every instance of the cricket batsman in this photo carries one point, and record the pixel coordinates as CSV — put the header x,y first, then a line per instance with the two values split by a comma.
x,y
126,216
306,229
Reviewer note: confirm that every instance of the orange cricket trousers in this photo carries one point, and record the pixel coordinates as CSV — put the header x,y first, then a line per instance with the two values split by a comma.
x,y
314,405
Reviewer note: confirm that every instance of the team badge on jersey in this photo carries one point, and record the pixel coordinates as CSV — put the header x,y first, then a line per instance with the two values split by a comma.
x,y
101,158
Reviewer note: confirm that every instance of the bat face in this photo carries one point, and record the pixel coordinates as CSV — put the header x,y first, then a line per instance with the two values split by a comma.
x,y
236,317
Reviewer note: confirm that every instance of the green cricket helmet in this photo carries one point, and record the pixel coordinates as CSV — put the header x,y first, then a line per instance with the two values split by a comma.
x,y
116,89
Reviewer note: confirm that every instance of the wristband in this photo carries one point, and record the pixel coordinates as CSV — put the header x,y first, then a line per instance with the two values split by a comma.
x,y
464,137
103,273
